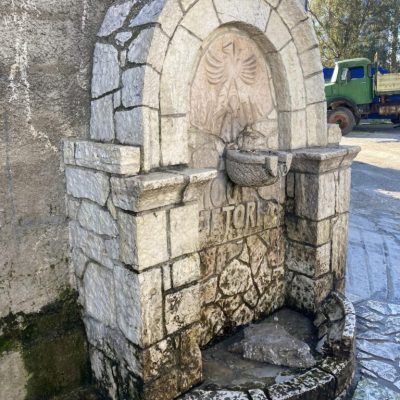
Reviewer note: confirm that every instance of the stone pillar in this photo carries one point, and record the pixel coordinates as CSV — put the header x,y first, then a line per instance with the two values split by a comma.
x,y
318,190
134,250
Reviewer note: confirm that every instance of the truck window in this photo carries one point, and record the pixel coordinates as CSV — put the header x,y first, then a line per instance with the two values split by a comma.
x,y
357,73
345,72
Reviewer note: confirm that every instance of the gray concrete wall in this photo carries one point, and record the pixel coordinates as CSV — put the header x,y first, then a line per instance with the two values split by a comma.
x,y
45,63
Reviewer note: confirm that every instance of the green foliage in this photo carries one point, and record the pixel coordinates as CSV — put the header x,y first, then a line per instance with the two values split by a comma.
x,y
358,28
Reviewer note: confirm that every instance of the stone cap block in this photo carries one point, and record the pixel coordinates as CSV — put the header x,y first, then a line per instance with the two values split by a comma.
x,y
159,189
323,159
111,158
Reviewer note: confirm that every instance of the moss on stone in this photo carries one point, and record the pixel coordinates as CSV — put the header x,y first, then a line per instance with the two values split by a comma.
x,y
53,346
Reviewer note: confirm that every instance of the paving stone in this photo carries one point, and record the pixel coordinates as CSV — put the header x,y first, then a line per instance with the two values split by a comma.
x,y
368,389
115,18
381,369
388,351
105,69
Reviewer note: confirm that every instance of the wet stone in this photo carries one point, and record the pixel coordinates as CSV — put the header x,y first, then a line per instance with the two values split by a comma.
x,y
369,389
381,369
388,351
271,343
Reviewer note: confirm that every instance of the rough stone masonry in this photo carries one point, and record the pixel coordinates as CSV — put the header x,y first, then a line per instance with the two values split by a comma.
x,y
168,253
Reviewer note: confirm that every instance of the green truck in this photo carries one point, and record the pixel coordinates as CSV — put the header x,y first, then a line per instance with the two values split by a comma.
x,y
358,90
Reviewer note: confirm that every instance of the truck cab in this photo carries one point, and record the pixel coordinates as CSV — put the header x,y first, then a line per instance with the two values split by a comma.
x,y
350,92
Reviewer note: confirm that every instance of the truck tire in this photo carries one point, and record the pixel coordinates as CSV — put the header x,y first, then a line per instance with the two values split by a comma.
x,y
343,117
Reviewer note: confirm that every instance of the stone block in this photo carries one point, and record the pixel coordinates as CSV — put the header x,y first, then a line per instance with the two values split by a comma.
x,y
343,191
122,37
87,184
140,87
306,386
310,232
293,125
122,160
315,89
215,395
320,160
159,358
72,207
181,56
140,127
292,12
315,195
93,246
341,369
100,294
170,17
190,360
277,32
334,134
68,147
311,62
97,219
101,119
297,98
147,192
209,290
143,239
139,305
307,260
186,270
184,230
257,394
106,70
290,188
182,308
187,3
339,248
149,47
79,262
305,39
115,18
316,125
174,141
113,344
201,19
254,13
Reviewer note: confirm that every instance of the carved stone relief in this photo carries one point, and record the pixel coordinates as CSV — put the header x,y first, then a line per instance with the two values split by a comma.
x,y
231,90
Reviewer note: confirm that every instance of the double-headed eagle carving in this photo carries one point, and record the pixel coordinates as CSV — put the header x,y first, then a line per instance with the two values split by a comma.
x,y
231,72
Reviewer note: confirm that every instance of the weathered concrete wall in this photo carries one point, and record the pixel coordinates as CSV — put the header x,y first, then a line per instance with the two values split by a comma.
x,y
46,49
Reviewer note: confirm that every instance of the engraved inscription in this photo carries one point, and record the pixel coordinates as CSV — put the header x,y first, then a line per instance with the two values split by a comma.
x,y
231,89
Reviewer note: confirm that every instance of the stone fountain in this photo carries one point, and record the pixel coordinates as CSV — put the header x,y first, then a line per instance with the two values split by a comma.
x,y
210,194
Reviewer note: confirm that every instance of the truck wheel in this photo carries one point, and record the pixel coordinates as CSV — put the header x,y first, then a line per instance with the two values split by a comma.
x,y
344,118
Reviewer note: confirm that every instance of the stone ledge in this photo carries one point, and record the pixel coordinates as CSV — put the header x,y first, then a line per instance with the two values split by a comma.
x,y
160,189
323,159
111,158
